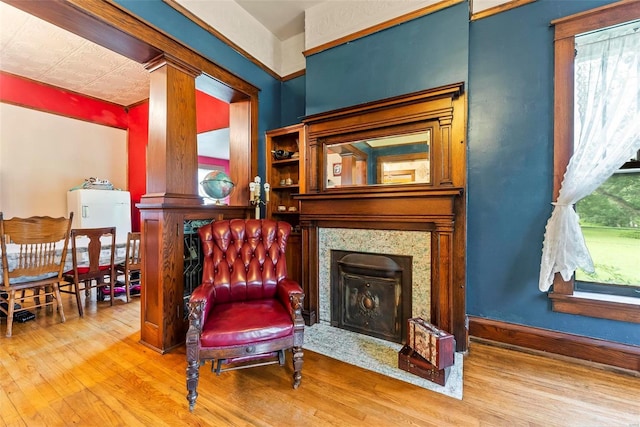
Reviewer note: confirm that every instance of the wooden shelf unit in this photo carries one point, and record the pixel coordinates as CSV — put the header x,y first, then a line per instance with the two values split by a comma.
x,y
291,138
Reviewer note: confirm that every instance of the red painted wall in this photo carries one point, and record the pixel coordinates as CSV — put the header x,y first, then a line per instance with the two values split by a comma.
x,y
202,160
211,114
31,94
137,157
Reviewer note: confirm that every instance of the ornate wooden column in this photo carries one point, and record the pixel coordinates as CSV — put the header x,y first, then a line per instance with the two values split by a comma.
x,y
172,153
172,197
442,312
172,164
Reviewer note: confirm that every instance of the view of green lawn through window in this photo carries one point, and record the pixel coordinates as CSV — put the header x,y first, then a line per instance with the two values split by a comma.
x,y
610,221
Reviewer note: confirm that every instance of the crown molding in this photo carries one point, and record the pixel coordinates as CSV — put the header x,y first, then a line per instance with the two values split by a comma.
x,y
201,23
427,10
497,9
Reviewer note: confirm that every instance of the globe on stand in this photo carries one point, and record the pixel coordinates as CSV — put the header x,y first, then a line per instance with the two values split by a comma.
x,y
217,185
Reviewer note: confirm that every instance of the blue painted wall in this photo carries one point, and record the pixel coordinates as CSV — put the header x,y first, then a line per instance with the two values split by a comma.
x,y
424,53
293,101
506,61
510,169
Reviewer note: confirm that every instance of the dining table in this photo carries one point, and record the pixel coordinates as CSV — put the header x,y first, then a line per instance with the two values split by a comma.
x,y
82,243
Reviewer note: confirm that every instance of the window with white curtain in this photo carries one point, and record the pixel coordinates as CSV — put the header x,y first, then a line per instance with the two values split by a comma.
x,y
591,248
607,65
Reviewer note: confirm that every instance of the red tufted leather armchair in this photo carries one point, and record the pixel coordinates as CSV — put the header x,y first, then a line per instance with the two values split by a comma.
x,y
246,312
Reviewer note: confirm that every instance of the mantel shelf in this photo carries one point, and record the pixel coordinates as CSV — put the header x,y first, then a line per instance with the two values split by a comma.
x,y
384,191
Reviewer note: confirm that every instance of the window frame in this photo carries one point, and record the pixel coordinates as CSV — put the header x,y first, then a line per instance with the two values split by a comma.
x,y
563,298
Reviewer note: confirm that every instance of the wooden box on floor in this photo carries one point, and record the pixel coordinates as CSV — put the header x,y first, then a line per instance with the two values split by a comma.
x,y
412,362
433,344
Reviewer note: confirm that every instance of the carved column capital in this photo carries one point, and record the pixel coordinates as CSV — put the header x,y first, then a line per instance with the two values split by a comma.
x,y
166,59
444,226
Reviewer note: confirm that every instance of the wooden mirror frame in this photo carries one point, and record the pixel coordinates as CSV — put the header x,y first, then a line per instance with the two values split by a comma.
x,y
430,110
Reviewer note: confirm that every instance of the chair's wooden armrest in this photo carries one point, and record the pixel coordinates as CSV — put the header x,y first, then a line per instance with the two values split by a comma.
x,y
287,287
204,292
291,295
200,302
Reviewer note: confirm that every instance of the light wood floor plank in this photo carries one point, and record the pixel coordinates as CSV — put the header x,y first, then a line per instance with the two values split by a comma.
x,y
94,372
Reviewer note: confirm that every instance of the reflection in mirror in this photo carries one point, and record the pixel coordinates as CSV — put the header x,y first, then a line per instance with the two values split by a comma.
x,y
398,159
213,154
212,118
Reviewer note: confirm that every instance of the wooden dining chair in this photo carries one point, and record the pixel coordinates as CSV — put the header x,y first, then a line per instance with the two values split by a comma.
x,y
37,263
131,266
94,268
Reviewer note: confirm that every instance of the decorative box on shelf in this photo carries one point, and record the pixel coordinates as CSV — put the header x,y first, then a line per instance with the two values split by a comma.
x,y
435,345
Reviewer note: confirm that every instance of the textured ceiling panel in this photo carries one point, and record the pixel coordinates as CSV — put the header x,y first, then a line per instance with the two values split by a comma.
x,y
35,49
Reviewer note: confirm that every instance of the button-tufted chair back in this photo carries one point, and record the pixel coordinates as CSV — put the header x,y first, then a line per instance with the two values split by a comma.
x,y
244,259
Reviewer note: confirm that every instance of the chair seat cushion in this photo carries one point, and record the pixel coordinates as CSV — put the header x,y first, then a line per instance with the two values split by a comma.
x,y
27,279
85,269
246,322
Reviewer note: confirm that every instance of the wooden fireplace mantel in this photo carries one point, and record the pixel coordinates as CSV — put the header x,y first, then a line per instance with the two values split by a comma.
x,y
418,208
438,206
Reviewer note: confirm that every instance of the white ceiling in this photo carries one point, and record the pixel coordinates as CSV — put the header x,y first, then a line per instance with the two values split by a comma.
x,y
284,18
35,49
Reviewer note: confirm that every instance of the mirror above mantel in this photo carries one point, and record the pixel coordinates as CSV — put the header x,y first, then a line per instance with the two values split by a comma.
x,y
396,159
398,142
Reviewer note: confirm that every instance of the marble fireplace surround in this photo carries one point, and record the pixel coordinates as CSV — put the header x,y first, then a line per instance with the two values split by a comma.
x,y
365,351
415,244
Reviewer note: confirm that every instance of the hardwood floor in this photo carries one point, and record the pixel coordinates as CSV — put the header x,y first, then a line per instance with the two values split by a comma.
x,y
93,372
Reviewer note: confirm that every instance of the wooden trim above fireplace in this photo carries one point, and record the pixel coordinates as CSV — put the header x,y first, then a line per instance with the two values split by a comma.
x,y
438,206
392,208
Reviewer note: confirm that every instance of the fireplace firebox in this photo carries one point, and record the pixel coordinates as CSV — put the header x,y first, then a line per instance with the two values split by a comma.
x,y
371,293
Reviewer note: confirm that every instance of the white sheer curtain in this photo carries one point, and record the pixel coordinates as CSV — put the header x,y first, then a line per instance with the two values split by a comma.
x,y
607,134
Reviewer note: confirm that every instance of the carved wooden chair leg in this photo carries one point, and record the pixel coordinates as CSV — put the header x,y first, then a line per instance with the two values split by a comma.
x,y
48,298
297,365
193,374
